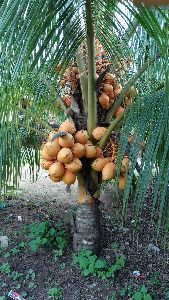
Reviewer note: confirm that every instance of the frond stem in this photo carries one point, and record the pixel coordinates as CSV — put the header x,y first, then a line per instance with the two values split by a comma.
x,y
83,77
109,130
92,108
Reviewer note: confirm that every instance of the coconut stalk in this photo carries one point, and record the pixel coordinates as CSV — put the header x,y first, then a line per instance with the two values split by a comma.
x,y
92,101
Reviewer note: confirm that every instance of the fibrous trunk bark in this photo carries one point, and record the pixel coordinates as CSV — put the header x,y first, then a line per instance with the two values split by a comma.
x,y
87,221
87,234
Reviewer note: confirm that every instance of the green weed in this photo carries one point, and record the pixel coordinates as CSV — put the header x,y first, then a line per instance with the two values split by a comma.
x,y
55,293
5,268
45,234
91,265
142,294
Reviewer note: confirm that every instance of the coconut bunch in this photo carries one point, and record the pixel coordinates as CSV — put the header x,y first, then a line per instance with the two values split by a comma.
x,y
62,153
106,163
69,81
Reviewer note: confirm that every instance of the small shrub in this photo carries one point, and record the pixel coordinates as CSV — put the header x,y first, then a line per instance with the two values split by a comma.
x,y
45,234
91,265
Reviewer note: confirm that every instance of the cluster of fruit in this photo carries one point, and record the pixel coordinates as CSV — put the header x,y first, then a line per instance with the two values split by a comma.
x,y
110,90
62,154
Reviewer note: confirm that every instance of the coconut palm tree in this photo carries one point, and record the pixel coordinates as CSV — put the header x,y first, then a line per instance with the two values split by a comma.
x,y
38,42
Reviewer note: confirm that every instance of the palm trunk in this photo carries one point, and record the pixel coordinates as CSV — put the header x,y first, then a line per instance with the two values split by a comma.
x,y
87,221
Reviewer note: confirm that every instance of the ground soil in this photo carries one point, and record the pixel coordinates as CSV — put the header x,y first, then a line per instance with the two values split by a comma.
x,y
45,200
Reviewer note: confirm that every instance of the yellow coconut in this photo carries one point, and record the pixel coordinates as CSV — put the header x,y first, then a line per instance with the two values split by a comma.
x,y
69,177
51,134
57,169
74,166
78,150
108,88
68,126
99,152
99,163
119,111
90,150
98,133
45,164
65,156
121,182
52,148
45,156
109,171
66,141
81,137
55,179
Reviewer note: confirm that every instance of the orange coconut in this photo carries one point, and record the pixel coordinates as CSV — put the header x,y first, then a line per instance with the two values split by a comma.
x,y
90,150
74,166
45,156
69,177
81,137
45,164
68,73
52,148
63,82
109,78
55,179
111,97
99,152
68,127
131,92
78,150
109,171
104,99
107,106
75,70
66,141
121,182
124,164
98,133
67,100
117,90
99,163
51,134
108,88
65,156
57,169
119,111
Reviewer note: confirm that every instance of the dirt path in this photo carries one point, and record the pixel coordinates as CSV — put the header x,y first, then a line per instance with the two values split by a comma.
x,y
45,190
